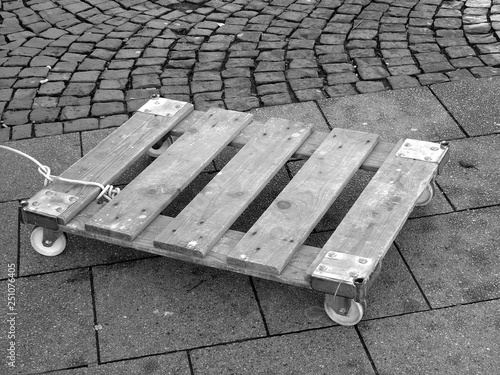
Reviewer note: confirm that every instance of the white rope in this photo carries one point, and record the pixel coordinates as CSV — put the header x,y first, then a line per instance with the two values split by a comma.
x,y
108,192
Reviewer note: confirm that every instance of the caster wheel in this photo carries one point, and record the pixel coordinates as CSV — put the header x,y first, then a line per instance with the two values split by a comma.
x,y
351,318
427,195
155,152
37,242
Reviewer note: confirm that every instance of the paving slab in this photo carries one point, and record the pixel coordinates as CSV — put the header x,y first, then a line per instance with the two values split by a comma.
x,y
291,309
473,103
454,257
22,179
306,112
8,236
55,323
334,350
159,305
168,364
410,113
470,178
455,341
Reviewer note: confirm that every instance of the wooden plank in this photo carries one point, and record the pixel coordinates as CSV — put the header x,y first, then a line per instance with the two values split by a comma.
x,y
285,225
371,163
374,221
108,160
210,214
150,192
294,273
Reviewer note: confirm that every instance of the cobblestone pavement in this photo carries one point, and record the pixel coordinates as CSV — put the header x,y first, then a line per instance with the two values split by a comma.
x,y
70,65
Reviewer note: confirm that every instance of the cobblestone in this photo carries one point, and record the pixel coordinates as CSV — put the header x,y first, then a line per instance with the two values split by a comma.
x,y
81,55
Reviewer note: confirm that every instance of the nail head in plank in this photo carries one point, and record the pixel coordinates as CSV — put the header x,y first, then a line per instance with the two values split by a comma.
x,y
152,190
108,160
210,214
375,219
285,225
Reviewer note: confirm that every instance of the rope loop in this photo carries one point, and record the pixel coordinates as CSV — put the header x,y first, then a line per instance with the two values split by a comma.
x,y
108,192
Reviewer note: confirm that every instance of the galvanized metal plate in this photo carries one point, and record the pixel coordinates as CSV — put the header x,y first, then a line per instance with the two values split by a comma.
x,y
162,107
50,203
344,267
421,150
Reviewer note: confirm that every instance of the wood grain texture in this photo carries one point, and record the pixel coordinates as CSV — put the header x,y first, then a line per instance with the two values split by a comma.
x,y
110,158
294,274
374,221
152,190
286,224
371,163
210,214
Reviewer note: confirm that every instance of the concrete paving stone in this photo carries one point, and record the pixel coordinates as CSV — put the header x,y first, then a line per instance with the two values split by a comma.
x,y
447,42
48,129
457,343
404,70
466,62
476,114
442,66
365,87
372,72
393,115
340,90
80,124
467,240
307,112
79,89
471,178
272,88
241,104
22,132
8,237
460,74
280,355
425,47
51,335
156,319
74,112
484,72
342,78
15,117
73,101
168,364
432,78
276,99
309,94
39,115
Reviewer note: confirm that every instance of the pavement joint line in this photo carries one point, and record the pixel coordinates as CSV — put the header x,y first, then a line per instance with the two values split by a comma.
x,y
367,351
462,129
257,300
190,362
413,276
94,311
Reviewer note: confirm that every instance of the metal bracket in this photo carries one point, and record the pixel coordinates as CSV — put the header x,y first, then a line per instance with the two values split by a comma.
x,y
345,267
50,203
424,151
161,107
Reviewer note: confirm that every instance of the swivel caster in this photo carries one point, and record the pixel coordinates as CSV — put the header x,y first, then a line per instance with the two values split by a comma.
x,y
160,146
426,195
47,242
344,311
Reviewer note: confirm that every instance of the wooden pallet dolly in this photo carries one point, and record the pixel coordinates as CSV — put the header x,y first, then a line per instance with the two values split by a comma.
x,y
343,269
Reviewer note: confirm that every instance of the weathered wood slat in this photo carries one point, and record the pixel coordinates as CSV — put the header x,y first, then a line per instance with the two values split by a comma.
x,y
150,192
371,163
210,214
294,274
285,225
373,222
110,158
